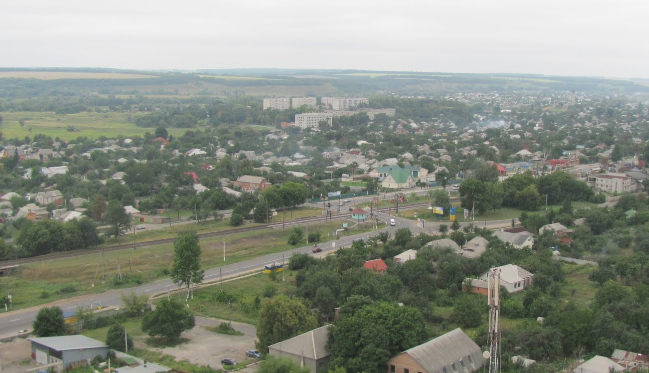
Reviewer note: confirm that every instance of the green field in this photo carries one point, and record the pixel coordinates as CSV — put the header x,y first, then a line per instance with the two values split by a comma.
x,y
234,77
245,289
91,125
43,282
52,75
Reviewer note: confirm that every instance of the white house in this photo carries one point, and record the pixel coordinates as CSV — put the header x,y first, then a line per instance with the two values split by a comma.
x,y
512,277
405,256
518,240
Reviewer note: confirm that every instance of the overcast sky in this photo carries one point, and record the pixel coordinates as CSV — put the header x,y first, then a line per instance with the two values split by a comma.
x,y
557,37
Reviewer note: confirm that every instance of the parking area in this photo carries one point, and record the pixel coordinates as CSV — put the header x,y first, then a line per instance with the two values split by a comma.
x,y
208,348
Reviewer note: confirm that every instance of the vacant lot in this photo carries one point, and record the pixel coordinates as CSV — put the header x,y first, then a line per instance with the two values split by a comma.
x,y
51,75
16,356
91,125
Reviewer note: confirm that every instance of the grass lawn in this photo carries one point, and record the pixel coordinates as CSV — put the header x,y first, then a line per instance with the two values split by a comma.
x,y
91,125
503,213
245,290
202,227
43,282
578,287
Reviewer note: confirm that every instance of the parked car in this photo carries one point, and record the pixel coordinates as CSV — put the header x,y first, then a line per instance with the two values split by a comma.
x,y
317,249
228,361
455,187
141,226
253,353
393,222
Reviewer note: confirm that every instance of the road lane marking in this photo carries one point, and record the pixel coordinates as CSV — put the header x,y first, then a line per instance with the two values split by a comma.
x,y
147,290
14,320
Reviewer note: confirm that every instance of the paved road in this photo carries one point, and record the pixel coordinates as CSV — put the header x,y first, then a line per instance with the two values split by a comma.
x,y
14,321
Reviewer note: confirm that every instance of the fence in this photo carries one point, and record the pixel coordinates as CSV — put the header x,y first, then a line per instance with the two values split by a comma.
x,y
364,193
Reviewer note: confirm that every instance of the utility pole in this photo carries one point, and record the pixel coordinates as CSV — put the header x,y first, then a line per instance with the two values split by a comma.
x,y
224,250
546,202
125,340
473,211
136,233
307,234
221,277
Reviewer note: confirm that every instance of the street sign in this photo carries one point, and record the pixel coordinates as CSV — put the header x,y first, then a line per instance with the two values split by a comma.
x,y
333,194
438,210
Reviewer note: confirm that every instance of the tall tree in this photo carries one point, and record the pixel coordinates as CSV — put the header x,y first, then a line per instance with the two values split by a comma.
x,y
616,154
187,260
281,318
117,339
169,320
117,217
98,208
365,341
49,322
442,177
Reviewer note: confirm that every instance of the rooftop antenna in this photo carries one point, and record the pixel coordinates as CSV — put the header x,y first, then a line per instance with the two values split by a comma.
x,y
493,293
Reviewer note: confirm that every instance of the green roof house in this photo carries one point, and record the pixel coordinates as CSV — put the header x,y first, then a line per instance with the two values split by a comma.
x,y
398,179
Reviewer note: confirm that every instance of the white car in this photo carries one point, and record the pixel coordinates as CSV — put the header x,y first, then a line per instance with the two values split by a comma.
x,y
393,222
140,227
455,187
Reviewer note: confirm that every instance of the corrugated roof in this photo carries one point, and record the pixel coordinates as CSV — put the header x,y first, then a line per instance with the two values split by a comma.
x,y
444,242
516,239
406,255
68,342
310,344
454,347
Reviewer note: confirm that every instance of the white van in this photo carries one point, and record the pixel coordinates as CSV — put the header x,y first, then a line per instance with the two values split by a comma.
x,y
393,222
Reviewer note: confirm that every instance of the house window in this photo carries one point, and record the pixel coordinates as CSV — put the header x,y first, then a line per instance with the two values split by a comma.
x,y
392,369
406,370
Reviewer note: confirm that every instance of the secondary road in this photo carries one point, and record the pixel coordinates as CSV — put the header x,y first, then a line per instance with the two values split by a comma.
x,y
11,323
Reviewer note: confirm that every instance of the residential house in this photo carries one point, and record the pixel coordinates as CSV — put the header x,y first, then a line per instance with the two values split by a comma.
x,y
444,243
53,171
68,350
249,183
9,196
307,350
70,215
77,202
32,212
376,265
199,188
599,364
474,248
522,361
53,196
559,229
131,210
519,240
449,353
631,361
405,256
398,179
512,277
162,141
193,152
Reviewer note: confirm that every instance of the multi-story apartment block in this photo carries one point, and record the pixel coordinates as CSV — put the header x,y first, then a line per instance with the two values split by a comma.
x,y
614,183
280,103
371,113
311,102
311,120
342,103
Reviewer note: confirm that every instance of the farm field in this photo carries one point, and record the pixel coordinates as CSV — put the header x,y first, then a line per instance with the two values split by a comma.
x,y
234,77
52,75
91,125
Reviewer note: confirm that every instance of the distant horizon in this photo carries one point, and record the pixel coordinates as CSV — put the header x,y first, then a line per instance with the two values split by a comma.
x,y
167,70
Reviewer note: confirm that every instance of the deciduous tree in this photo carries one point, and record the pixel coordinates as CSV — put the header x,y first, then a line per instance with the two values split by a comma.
x,y
281,318
186,267
49,322
169,320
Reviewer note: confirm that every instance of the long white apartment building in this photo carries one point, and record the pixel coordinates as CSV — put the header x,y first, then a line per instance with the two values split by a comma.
x,y
344,103
371,113
279,103
311,120
311,102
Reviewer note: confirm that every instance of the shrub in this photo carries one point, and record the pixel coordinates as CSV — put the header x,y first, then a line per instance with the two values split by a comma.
x,y
269,291
295,236
315,236
68,288
236,220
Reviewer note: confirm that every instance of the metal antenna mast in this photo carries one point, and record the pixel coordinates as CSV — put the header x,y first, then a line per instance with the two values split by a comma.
x,y
493,292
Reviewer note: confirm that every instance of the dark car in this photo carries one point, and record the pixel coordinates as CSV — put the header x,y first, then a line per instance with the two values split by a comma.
x,y
317,249
253,353
228,361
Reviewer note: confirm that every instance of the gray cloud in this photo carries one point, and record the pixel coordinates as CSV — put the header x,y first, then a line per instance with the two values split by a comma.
x,y
552,37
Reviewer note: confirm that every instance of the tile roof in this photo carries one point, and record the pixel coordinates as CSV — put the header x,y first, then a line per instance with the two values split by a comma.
x,y
376,265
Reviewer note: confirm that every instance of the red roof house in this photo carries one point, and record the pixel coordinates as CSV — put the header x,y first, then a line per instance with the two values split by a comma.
x,y
162,140
376,265
193,175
